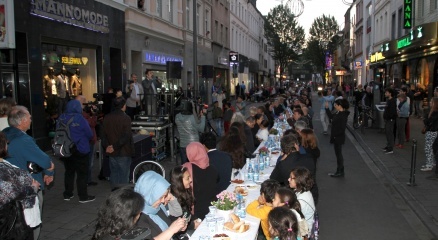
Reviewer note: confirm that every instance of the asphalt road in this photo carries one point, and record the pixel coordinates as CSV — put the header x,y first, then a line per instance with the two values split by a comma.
x,y
361,205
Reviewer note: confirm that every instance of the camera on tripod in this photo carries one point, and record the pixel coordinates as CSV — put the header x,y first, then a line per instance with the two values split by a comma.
x,y
94,107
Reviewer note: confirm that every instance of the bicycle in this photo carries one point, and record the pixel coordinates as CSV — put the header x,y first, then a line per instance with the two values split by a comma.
x,y
364,111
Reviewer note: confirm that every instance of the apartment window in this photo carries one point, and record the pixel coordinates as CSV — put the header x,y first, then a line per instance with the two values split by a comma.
x,y
171,11
400,23
188,25
198,10
226,37
160,8
207,21
265,64
222,34
393,26
239,11
435,6
216,26
422,8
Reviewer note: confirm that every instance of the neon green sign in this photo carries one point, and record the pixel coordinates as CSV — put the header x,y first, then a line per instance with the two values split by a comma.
x,y
404,42
407,14
407,40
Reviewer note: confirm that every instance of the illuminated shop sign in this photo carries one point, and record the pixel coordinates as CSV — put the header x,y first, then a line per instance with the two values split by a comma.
x,y
74,60
358,64
160,58
234,57
70,14
384,47
407,40
376,57
407,14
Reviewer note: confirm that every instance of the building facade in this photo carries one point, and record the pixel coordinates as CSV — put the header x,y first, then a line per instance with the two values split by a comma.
x,y
63,48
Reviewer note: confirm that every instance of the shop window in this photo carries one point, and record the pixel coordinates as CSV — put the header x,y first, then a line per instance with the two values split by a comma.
x,y
67,72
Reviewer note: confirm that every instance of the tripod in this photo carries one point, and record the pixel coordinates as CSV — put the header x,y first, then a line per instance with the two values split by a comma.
x,y
209,126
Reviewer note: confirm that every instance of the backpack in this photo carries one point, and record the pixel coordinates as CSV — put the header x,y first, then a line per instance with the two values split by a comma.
x,y
62,143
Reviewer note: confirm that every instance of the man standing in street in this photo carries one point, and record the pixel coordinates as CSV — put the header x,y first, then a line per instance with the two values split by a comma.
x,y
390,115
150,90
135,91
23,149
118,143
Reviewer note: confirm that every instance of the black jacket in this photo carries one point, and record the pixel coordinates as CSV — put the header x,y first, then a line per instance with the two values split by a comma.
x,y
204,189
390,112
431,122
223,163
339,124
283,168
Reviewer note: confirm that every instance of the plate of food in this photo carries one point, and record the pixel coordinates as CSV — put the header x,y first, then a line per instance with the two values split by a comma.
x,y
238,181
249,186
241,190
221,236
236,225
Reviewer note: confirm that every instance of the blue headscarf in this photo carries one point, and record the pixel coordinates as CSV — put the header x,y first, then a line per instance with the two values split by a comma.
x,y
152,187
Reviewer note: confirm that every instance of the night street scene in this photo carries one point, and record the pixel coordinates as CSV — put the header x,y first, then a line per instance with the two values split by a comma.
x,y
218,119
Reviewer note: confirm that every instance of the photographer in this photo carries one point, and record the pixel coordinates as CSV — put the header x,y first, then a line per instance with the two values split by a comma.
x,y
189,123
89,112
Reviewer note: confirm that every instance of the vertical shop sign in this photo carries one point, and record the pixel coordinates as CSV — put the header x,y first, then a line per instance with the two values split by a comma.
x,y
407,14
7,24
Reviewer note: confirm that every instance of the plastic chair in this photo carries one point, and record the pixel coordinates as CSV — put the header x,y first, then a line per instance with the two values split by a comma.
x,y
147,166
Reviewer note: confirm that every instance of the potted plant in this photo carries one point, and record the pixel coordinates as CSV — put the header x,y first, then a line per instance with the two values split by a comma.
x,y
263,151
273,131
225,204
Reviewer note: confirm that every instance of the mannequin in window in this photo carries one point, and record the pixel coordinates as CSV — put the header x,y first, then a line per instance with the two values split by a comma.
x,y
50,90
76,83
63,89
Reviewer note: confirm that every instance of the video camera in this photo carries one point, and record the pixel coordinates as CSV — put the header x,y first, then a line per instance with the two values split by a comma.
x,y
94,107
186,106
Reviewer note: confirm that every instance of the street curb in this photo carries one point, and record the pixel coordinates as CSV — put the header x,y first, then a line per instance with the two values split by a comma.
x,y
422,222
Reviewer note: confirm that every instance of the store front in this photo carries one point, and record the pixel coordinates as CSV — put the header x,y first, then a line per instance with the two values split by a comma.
x,y
156,62
415,54
60,53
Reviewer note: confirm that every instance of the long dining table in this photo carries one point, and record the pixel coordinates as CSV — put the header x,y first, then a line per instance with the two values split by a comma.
x,y
202,232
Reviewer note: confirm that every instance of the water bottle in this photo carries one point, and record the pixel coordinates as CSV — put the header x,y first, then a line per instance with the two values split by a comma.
x,y
267,161
261,163
256,166
256,176
241,212
250,172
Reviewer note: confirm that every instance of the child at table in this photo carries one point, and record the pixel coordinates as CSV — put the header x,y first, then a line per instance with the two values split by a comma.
x,y
286,198
282,224
261,207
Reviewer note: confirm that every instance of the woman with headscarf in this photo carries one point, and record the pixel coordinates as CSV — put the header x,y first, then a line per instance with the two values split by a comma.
x,y
205,178
156,192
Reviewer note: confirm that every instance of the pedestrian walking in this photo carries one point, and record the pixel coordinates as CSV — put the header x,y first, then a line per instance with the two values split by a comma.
x,y
431,132
337,135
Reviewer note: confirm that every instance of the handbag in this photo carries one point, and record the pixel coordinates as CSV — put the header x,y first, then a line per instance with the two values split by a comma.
x,y
12,222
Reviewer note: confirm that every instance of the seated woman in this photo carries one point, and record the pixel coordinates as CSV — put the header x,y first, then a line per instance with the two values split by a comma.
x,y
232,144
291,159
301,181
118,214
205,178
263,133
181,189
156,193
17,185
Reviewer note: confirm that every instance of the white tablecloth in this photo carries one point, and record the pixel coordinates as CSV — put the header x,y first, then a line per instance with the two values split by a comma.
x,y
253,194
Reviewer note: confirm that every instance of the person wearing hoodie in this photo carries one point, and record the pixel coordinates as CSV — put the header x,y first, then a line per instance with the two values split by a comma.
x,y
77,163
337,136
19,120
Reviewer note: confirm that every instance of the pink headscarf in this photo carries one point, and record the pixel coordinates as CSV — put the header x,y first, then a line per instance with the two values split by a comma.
x,y
196,154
